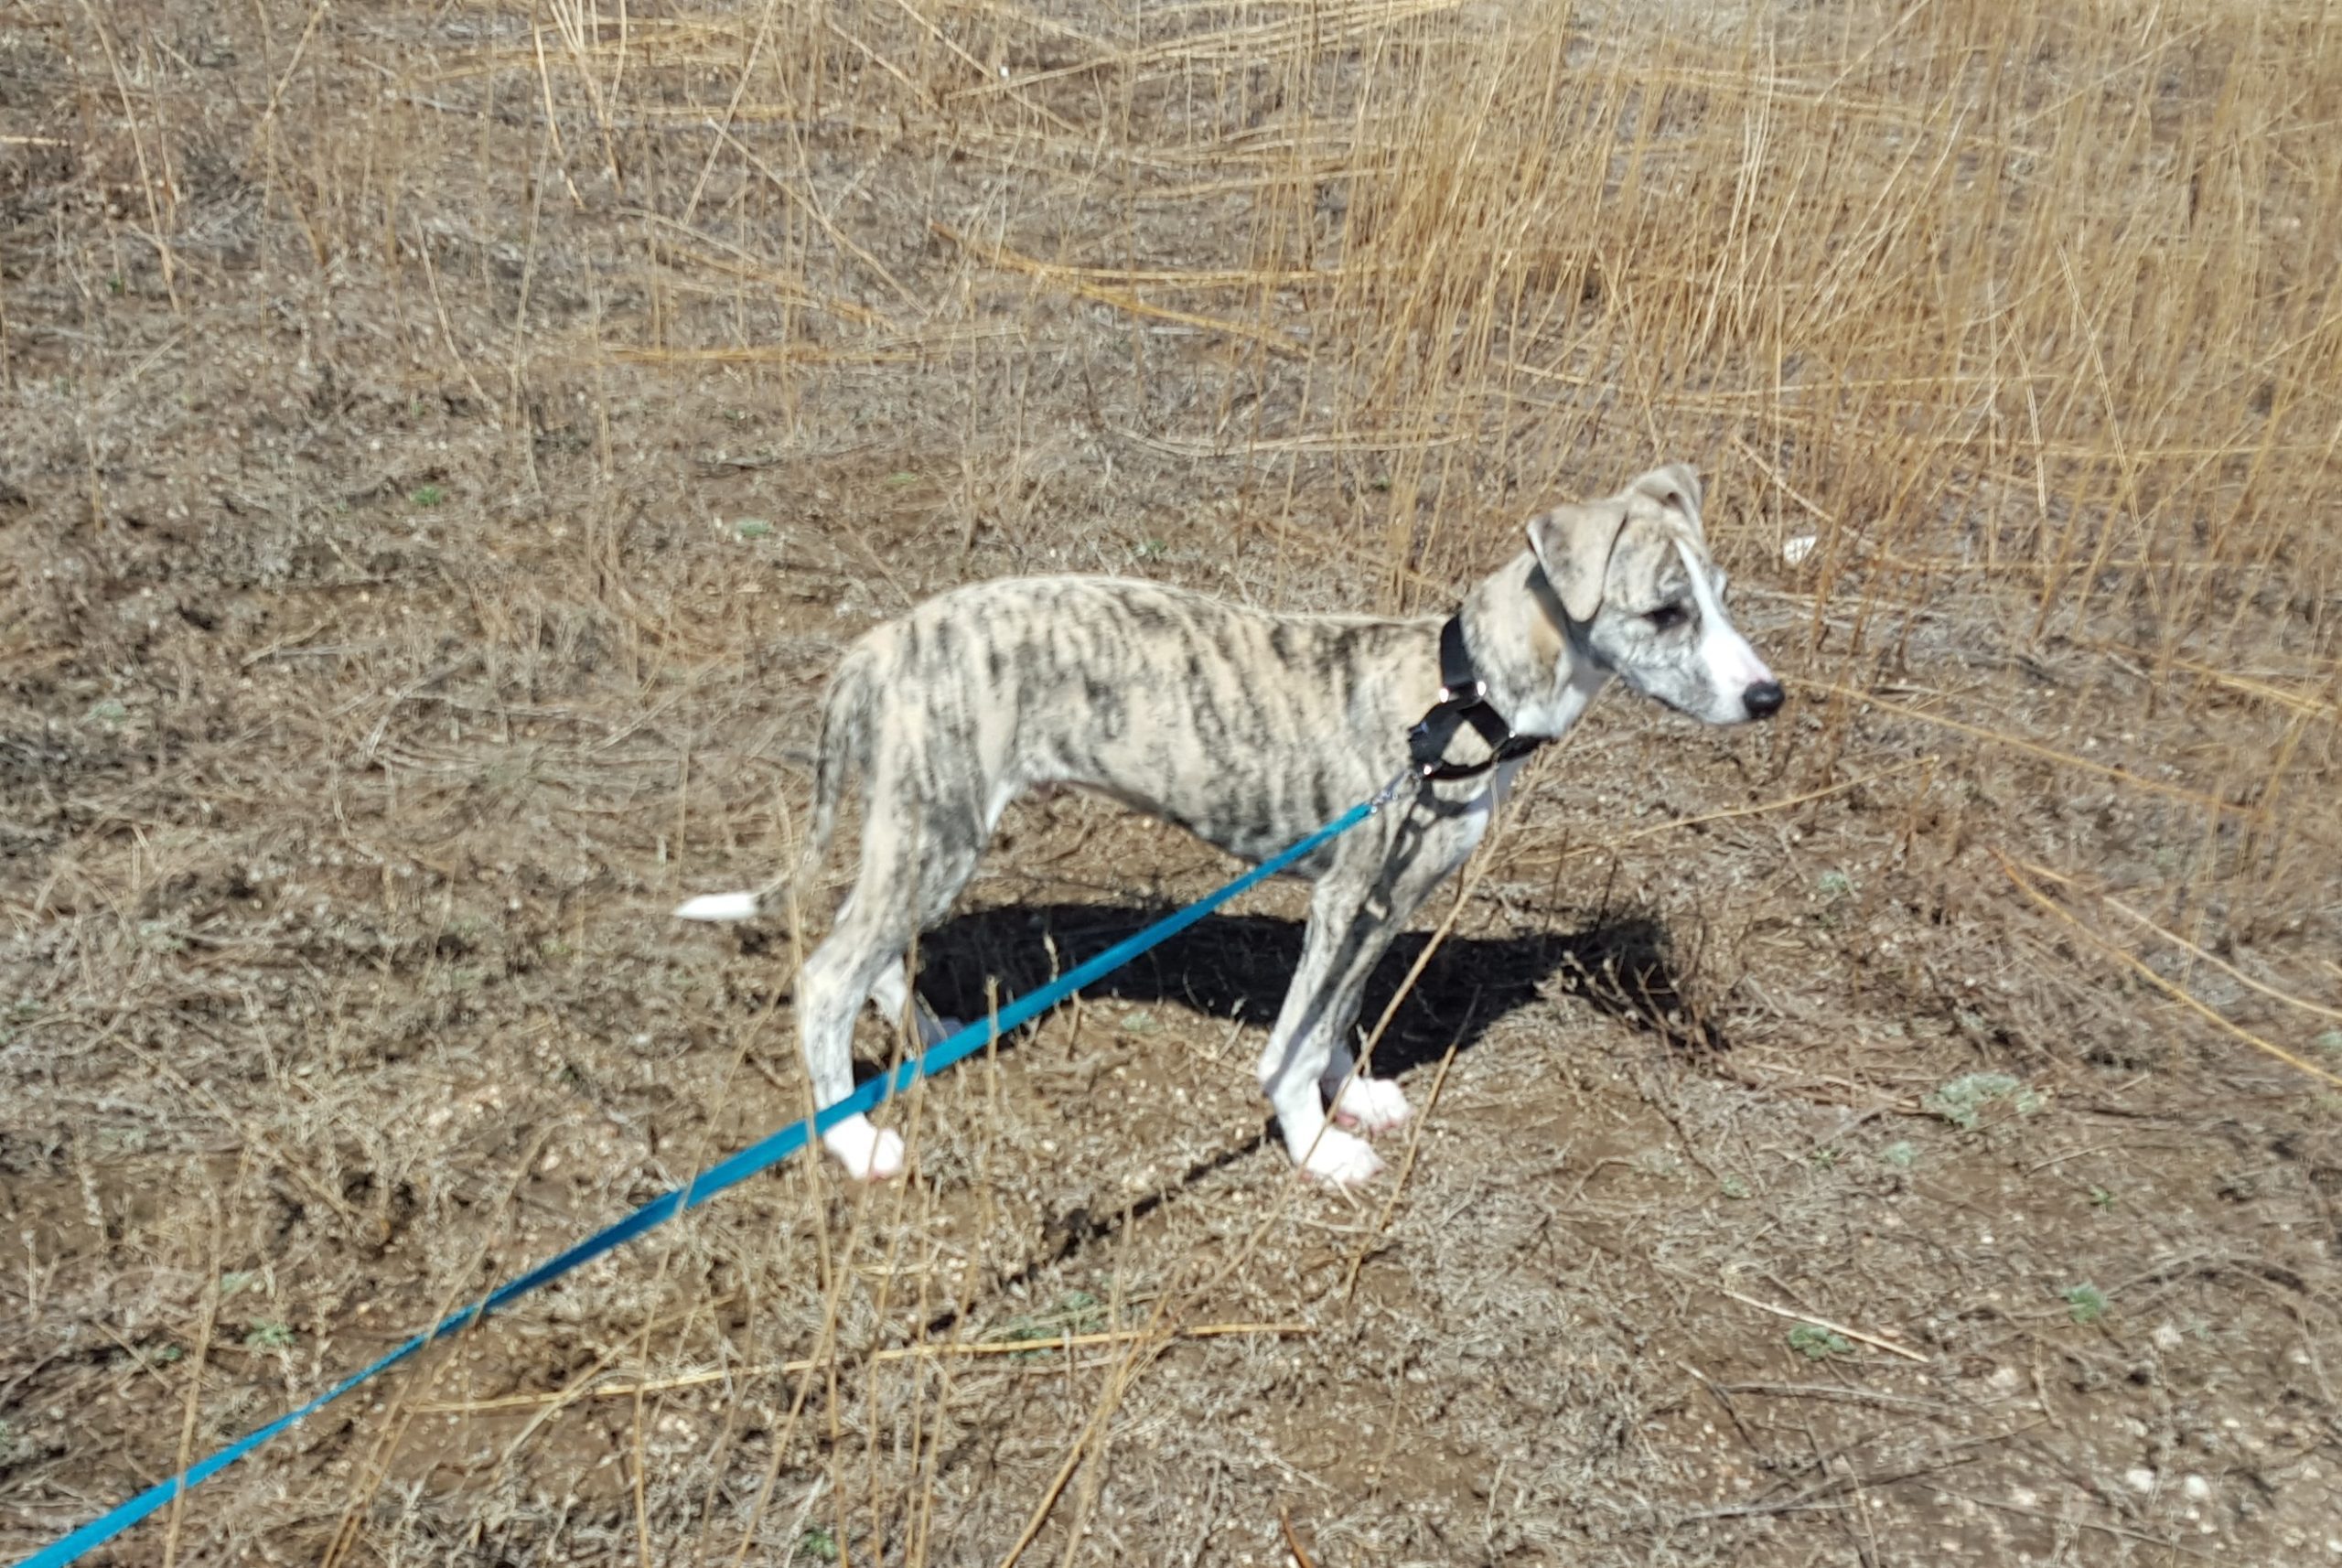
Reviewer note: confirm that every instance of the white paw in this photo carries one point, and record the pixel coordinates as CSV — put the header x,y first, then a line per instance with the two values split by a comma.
x,y
1341,1161
1372,1105
869,1153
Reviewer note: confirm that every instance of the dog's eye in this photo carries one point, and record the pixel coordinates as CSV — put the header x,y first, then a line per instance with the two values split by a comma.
x,y
1667,617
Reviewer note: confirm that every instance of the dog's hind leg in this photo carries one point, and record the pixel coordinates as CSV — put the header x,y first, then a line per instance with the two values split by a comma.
x,y
829,989
915,860
891,994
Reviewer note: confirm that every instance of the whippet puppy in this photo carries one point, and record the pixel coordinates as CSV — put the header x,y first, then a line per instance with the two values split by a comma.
x,y
1250,730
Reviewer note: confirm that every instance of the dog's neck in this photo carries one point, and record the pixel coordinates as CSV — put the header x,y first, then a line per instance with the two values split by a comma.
x,y
1539,672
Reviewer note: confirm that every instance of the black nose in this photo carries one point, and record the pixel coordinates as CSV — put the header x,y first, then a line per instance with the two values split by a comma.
x,y
1764,699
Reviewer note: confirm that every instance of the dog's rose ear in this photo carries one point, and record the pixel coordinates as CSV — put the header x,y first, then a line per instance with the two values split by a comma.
x,y
1676,485
1572,545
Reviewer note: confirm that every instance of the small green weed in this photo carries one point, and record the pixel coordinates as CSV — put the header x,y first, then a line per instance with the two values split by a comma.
x,y
1657,1163
2084,1303
753,527
818,1542
1964,1101
268,1336
2100,1198
1824,1158
427,495
1900,1155
157,936
1734,1187
1815,1343
237,1280
1076,1312
2330,1042
1835,887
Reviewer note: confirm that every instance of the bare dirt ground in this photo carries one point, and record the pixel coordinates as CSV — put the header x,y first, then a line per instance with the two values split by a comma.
x,y
445,445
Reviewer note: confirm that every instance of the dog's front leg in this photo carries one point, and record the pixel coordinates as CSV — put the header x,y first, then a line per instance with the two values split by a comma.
x,y
1369,1104
1352,920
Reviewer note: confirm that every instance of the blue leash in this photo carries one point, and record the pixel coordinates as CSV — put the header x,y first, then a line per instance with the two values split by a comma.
x,y
719,1177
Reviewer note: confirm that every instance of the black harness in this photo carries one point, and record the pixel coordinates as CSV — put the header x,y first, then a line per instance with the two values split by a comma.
x,y
1462,700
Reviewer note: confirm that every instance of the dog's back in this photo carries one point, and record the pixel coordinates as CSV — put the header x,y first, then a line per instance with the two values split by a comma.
x,y
1246,728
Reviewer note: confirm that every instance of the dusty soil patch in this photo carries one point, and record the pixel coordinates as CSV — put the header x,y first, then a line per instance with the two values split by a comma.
x,y
446,446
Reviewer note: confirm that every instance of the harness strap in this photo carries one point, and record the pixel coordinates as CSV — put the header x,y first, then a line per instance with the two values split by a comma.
x,y
1462,700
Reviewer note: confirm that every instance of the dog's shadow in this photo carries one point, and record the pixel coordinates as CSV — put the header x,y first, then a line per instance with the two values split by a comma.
x,y
1236,968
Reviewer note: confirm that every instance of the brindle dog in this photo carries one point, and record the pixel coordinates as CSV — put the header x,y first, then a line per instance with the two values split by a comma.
x,y
1250,730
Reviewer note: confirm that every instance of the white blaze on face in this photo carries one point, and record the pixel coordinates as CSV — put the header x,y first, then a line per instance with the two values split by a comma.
x,y
1732,665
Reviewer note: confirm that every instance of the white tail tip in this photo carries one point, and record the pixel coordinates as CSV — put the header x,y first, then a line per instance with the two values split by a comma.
x,y
719,906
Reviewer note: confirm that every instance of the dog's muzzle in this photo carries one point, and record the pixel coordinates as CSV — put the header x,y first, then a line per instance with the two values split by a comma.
x,y
1764,699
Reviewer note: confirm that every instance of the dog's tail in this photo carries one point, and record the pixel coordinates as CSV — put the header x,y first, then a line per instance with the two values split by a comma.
x,y
844,751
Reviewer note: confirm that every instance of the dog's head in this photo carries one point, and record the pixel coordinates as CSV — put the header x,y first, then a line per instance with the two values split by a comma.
x,y
1632,577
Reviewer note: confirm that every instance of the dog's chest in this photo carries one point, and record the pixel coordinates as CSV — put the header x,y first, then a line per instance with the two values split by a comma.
x,y
1483,806
1468,822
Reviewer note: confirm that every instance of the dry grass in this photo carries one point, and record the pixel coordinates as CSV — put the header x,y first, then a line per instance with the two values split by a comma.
x,y
443,446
